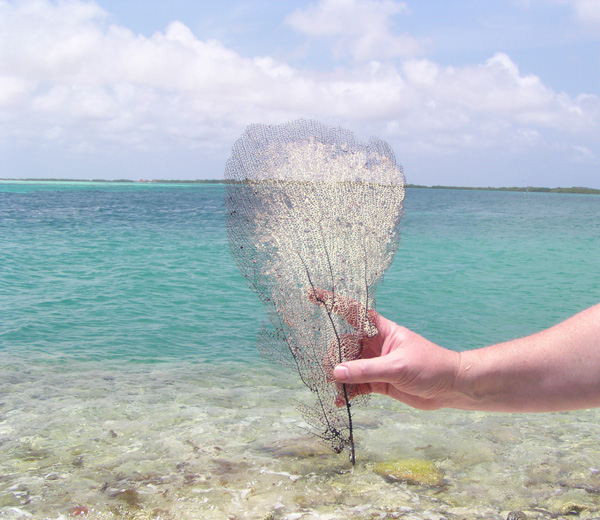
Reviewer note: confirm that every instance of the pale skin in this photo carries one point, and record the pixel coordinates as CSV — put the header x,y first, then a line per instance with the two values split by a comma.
x,y
557,369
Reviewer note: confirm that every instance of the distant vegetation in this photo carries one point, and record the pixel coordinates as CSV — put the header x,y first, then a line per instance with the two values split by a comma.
x,y
143,181
527,189
530,189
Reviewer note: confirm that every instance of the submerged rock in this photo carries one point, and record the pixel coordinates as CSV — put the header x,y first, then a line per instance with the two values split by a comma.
x,y
130,496
516,515
571,508
411,471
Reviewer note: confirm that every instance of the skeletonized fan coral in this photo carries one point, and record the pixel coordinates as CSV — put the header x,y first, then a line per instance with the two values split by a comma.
x,y
313,223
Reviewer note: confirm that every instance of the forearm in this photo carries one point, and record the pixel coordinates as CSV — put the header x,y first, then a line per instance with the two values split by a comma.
x,y
556,369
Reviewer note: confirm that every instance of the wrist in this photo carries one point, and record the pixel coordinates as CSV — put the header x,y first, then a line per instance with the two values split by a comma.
x,y
490,379
473,385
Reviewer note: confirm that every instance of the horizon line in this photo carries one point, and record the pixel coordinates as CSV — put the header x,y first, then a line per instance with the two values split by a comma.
x,y
535,189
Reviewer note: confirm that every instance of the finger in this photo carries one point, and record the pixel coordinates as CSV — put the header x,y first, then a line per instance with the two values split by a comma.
x,y
346,348
372,370
355,313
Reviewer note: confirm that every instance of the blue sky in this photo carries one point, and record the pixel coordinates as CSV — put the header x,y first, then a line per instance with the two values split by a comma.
x,y
468,92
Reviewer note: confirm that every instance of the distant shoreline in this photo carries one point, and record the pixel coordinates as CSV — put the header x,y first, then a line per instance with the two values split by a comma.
x,y
524,189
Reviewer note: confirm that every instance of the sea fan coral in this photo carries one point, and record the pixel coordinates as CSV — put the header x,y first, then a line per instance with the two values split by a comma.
x,y
313,221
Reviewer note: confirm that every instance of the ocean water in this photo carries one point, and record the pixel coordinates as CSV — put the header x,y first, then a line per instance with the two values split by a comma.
x,y
130,386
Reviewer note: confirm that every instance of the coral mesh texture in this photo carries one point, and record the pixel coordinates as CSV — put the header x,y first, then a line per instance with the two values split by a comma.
x,y
313,223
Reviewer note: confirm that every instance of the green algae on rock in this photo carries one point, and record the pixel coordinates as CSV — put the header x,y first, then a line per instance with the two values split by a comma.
x,y
571,508
411,471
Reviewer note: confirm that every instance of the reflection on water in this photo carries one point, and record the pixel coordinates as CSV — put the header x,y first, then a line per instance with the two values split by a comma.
x,y
226,442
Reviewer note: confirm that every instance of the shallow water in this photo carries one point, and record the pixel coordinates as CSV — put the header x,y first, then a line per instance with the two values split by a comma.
x,y
130,386
189,441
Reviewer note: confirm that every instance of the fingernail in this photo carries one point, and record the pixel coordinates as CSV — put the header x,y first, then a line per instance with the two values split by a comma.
x,y
341,373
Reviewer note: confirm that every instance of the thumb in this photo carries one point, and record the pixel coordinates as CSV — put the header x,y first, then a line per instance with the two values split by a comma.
x,y
372,370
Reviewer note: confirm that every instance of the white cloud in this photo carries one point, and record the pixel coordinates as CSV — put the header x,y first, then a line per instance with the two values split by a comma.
x,y
494,92
583,154
41,38
13,90
70,79
364,27
587,11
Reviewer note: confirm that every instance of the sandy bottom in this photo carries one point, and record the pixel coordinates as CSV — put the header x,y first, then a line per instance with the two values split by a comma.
x,y
189,441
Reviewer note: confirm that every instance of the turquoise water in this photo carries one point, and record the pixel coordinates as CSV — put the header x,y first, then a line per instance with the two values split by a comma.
x,y
143,272
140,272
130,385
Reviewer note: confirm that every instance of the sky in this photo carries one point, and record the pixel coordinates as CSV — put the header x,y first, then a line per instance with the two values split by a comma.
x,y
466,93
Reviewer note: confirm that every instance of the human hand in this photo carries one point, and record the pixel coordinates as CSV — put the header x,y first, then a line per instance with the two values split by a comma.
x,y
395,362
